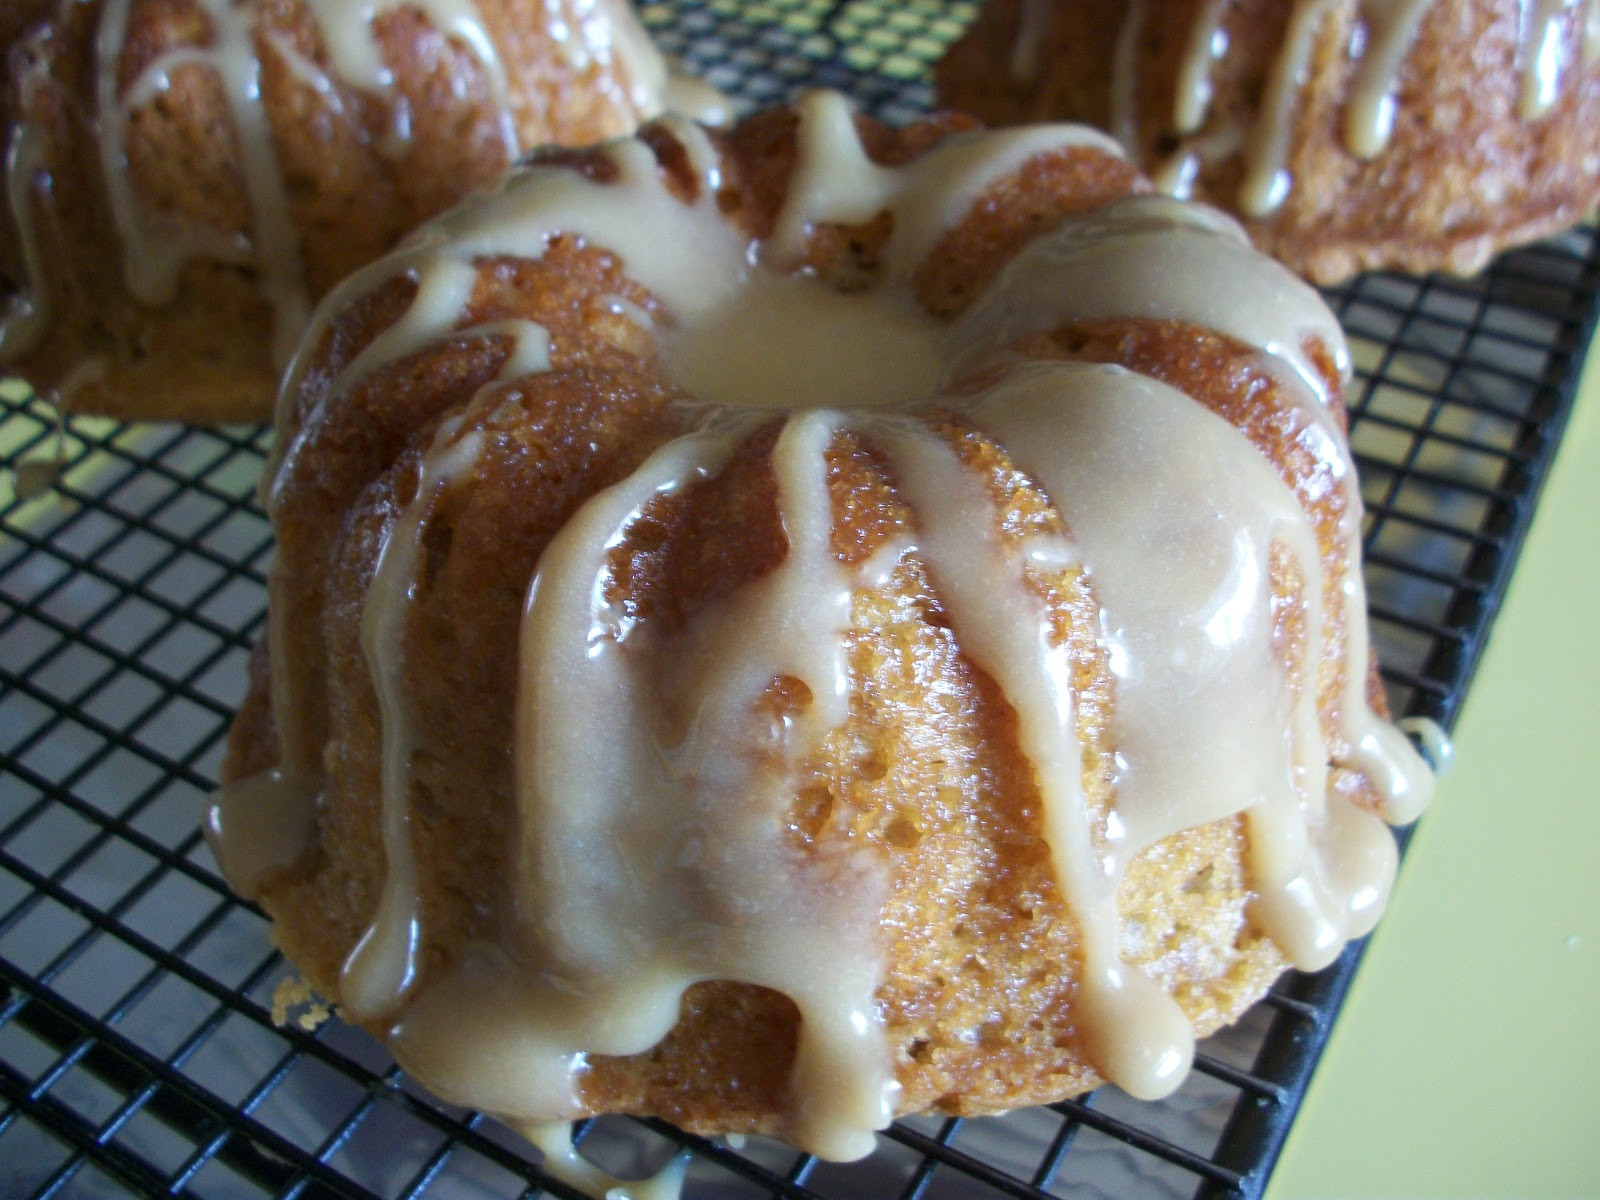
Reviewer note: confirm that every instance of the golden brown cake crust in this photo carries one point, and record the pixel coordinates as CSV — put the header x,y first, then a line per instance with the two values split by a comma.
x,y
353,186
1463,176
978,998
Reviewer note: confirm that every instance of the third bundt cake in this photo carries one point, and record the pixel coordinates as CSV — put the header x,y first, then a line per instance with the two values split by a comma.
x,y
185,177
779,628
1347,134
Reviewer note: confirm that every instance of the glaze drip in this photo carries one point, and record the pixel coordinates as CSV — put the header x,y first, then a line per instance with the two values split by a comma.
x,y
666,861
383,966
1027,51
348,32
27,313
1544,56
561,1159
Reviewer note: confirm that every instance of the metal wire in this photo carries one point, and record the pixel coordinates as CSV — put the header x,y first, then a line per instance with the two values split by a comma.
x,y
137,1050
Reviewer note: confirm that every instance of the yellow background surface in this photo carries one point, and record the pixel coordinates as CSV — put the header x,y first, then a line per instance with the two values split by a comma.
x,y
1467,1060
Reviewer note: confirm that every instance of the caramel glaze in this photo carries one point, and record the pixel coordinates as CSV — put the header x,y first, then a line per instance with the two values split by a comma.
x,y
994,913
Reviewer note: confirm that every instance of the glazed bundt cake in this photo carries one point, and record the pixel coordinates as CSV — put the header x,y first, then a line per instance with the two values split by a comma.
x,y
779,628
185,177
1348,134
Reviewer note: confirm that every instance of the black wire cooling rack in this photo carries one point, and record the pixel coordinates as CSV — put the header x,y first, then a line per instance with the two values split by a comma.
x,y
137,1050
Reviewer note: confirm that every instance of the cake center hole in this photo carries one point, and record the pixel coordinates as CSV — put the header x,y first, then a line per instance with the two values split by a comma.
x,y
788,342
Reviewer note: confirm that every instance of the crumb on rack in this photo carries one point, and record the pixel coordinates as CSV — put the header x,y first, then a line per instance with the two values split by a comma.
x,y
294,992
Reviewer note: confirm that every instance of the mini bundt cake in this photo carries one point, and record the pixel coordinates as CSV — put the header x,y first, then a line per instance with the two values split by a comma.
x,y
778,628
1347,134
185,177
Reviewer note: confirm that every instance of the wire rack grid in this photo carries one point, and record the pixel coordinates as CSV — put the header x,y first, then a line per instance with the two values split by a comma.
x,y
138,1055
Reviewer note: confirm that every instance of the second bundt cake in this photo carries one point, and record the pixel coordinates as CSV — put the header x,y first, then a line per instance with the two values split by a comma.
x,y
1347,134
185,177
779,628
